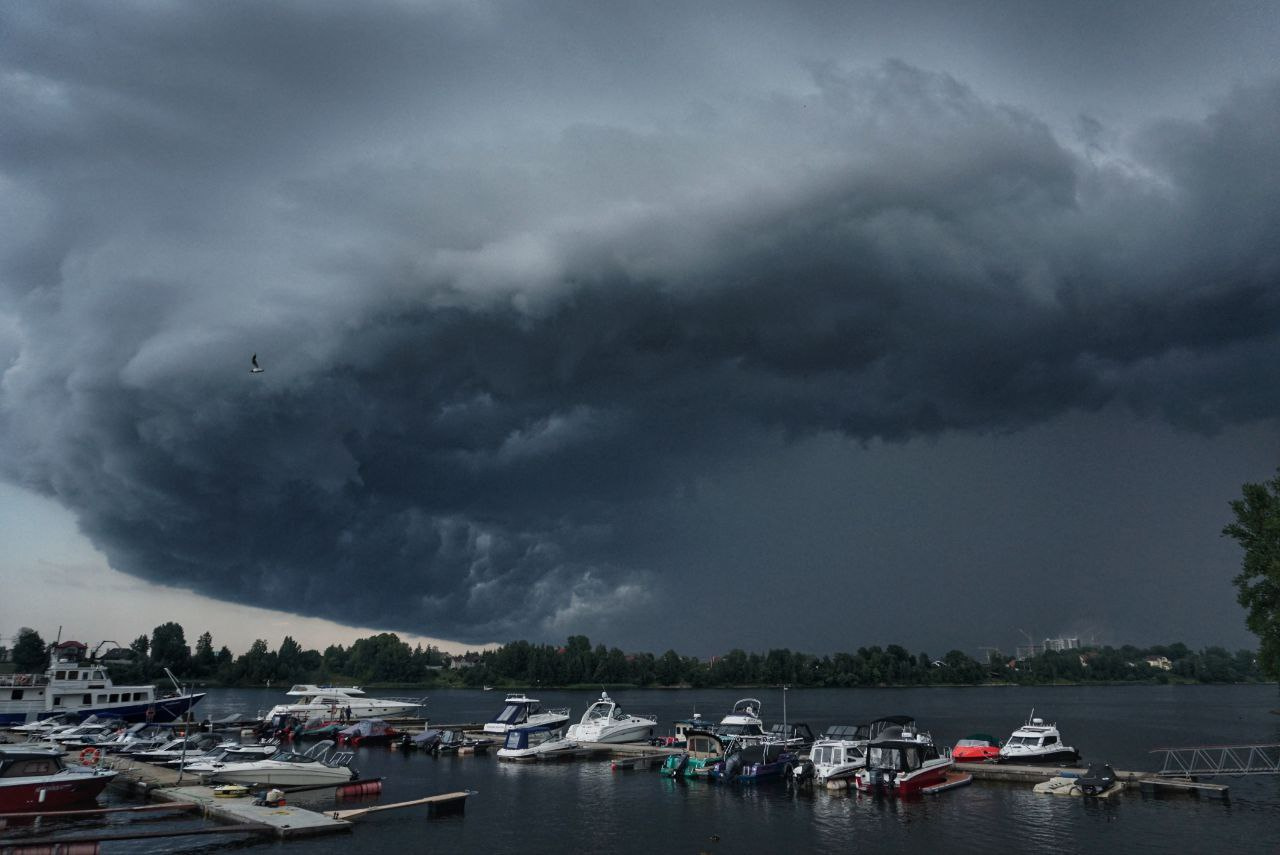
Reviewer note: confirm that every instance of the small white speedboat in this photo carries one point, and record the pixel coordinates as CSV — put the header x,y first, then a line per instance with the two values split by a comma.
x,y
535,743
837,756
290,769
604,721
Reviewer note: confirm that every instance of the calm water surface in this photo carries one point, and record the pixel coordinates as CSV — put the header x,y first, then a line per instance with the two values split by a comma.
x,y
583,806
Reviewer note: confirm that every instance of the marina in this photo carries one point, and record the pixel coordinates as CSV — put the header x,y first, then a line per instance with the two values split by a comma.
x,y
397,791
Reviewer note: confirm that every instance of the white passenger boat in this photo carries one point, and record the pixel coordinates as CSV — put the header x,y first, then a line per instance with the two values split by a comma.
x,y
340,703
522,711
1036,742
83,689
535,743
290,769
604,721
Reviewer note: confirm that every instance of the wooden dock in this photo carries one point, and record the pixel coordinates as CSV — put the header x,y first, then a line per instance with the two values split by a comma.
x,y
286,821
1145,781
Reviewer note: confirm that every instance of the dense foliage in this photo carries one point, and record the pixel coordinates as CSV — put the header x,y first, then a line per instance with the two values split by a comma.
x,y
1257,530
385,659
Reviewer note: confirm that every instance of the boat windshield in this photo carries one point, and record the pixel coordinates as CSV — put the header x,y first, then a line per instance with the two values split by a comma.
x,y
973,743
512,714
603,709
740,730
1024,740
293,757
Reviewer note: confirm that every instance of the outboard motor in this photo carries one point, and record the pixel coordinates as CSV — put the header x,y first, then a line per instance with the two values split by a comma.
x,y
804,773
1100,778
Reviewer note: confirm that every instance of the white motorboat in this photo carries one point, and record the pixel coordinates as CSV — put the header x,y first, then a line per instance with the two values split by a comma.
x,y
188,746
535,743
340,703
522,711
604,721
226,754
1036,742
290,769
837,756
743,722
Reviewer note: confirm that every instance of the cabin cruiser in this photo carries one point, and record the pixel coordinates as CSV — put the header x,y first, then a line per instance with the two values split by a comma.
x,y
835,757
339,703
1036,742
538,742
522,711
743,721
36,779
901,759
290,769
604,721
81,689
702,750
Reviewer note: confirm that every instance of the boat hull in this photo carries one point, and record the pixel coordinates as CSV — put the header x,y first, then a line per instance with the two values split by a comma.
x,y
636,732
902,784
1050,758
54,792
162,710
282,775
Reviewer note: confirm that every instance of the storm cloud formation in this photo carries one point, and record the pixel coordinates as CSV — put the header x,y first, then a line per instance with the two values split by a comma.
x,y
521,280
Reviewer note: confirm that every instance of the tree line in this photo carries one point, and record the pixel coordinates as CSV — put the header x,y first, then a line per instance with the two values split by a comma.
x,y
385,659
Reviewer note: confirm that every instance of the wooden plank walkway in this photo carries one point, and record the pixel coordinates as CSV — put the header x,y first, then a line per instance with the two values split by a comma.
x,y
432,803
285,821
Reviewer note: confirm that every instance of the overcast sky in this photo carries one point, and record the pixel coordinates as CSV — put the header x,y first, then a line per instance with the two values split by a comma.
x,y
708,325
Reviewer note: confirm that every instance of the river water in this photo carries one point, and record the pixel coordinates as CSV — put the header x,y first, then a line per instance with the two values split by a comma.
x,y
584,806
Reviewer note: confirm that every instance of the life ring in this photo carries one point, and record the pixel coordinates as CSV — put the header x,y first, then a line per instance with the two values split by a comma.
x,y
90,756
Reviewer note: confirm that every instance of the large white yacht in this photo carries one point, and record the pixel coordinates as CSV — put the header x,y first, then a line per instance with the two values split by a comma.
x,y
339,702
604,721
1036,742
522,711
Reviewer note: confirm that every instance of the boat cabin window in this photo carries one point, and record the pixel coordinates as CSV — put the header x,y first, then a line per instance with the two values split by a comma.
x,y
17,694
701,744
902,759
115,698
27,768
60,675
1050,740
514,739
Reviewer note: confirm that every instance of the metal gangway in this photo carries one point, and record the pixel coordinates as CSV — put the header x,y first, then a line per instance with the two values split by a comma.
x,y
1208,761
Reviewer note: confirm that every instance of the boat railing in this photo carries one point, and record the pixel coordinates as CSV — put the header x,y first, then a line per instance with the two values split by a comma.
x,y
559,711
22,681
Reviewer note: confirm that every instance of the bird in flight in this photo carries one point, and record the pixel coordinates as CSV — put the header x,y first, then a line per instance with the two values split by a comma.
x,y
256,369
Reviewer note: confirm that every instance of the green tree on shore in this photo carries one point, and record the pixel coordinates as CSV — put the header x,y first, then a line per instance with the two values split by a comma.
x,y
1257,530
29,652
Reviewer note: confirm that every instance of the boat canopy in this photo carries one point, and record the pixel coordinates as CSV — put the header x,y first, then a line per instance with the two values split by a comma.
x,y
899,755
979,739
848,732
747,707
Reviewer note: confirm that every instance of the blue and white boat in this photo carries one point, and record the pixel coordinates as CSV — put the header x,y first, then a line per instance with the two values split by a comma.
x,y
522,711
82,689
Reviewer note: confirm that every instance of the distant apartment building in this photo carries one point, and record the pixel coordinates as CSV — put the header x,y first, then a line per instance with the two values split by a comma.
x,y
1055,644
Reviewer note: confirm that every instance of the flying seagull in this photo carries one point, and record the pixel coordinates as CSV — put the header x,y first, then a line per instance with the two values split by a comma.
x,y
256,369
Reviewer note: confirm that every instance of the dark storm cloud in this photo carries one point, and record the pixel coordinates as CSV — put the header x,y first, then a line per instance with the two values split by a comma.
x,y
512,296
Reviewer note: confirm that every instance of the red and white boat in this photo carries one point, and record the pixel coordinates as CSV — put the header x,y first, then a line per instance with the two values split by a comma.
x,y
35,779
901,759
